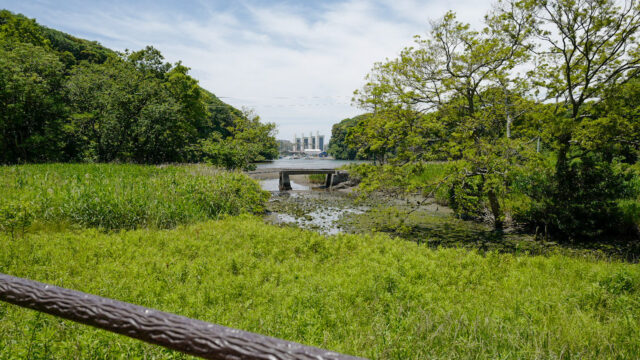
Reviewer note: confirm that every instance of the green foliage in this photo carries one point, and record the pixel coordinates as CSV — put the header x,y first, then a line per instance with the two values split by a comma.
x,y
615,128
228,153
222,115
68,99
115,197
32,111
339,148
74,50
370,296
456,95
16,28
589,47
15,217
251,141
376,136
125,113
426,179
630,215
317,178
593,190
594,131
439,100
585,204
20,29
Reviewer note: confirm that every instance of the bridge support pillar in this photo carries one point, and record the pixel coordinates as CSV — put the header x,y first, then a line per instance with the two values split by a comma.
x,y
328,181
285,183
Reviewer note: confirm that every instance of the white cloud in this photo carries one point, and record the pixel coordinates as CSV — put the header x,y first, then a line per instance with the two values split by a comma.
x,y
296,70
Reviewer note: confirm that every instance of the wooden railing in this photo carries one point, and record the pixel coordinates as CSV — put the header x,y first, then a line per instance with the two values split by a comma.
x,y
172,331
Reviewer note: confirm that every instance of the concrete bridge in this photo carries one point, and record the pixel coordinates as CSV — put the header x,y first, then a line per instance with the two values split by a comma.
x,y
334,176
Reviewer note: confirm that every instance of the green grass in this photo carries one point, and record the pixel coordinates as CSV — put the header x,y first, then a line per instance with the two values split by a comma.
x,y
114,197
432,174
429,173
630,208
364,295
317,178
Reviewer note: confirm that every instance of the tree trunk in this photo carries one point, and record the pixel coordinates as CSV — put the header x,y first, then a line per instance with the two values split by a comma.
x,y
561,164
495,209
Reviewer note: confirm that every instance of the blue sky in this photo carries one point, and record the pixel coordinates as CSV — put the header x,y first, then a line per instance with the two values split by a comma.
x,y
296,63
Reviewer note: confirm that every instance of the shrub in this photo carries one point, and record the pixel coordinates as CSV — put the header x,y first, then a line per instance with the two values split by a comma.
x,y
15,217
369,296
582,201
130,196
317,178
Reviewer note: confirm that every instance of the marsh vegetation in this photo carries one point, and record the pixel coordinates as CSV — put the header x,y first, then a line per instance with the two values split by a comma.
x,y
498,217
368,295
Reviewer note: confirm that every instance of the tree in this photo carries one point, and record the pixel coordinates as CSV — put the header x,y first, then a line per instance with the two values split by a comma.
x,y
591,47
19,29
149,61
32,111
339,147
69,99
432,101
614,124
585,50
250,141
136,108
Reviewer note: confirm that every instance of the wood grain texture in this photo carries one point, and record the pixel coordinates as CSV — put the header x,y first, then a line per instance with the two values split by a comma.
x,y
176,332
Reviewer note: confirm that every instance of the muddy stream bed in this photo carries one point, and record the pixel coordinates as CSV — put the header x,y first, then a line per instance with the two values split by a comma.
x,y
332,212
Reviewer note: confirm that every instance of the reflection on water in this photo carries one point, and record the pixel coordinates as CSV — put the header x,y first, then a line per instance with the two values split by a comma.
x,y
323,220
320,211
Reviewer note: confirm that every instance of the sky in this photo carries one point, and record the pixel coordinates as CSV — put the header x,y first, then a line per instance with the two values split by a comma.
x,y
296,63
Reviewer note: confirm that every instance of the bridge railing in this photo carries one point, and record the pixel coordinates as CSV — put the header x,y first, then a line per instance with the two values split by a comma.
x,y
172,331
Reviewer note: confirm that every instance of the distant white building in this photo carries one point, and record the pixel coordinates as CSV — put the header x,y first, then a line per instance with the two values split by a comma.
x,y
312,152
311,145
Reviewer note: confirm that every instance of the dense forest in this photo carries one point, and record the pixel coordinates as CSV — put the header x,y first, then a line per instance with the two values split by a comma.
x,y
536,114
65,99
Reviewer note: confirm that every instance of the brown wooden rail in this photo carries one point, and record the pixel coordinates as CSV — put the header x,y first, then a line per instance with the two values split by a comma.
x,y
172,331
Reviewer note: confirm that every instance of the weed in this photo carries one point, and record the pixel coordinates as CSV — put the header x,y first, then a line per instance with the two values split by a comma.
x,y
370,296
113,197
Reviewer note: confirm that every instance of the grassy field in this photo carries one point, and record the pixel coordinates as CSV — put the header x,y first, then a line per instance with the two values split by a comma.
x,y
149,236
365,295
115,197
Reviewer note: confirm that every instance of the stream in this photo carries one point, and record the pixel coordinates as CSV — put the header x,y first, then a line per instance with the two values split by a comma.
x,y
331,212
321,211
306,205
310,207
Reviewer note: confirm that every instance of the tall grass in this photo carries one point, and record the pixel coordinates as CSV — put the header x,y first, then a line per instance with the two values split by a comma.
x,y
630,208
317,178
363,295
113,197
